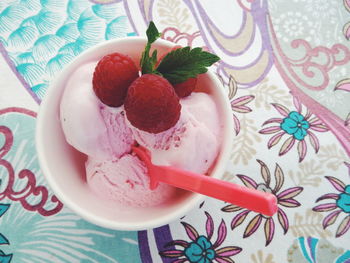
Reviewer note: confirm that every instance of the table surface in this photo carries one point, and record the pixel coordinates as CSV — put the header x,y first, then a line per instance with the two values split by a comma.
x,y
285,67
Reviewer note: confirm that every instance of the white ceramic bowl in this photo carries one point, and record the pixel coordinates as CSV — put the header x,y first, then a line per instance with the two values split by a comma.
x,y
63,166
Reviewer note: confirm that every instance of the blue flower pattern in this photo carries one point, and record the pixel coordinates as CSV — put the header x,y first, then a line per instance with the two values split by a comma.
x,y
343,201
296,125
41,37
314,250
200,251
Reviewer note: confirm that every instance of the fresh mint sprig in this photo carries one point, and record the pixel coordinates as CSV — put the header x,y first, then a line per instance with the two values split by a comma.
x,y
147,63
178,65
184,63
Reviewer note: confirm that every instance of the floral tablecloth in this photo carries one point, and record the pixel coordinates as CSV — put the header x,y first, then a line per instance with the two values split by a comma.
x,y
285,66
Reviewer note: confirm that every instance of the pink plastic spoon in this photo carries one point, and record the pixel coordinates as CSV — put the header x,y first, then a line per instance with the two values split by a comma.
x,y
258,201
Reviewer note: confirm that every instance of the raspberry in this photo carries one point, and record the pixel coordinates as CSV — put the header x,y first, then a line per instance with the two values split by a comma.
x,y
151,104
185,88
113,75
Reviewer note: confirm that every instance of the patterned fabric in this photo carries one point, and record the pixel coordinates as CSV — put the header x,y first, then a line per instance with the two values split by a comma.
x,y
285,67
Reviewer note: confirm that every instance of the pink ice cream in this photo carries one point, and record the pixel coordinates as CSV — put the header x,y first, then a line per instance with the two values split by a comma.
x,y
125,181
91,127
105,136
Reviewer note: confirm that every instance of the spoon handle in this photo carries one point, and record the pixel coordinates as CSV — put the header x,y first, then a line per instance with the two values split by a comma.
x,y
252,199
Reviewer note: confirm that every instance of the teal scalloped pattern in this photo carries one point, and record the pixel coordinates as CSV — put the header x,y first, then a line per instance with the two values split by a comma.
x,y
41,36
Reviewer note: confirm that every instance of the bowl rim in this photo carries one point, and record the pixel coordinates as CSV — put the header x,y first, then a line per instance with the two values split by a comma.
x,y
217,172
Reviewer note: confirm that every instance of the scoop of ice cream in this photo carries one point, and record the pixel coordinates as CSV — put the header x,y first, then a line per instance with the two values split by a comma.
x,y
105,135
203,108
120,136
125,181
192,144
89,126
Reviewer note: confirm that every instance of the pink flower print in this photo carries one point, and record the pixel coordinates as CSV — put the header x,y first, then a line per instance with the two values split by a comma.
x,y
295,124
238,105
285,199
339,205
344,84
200,247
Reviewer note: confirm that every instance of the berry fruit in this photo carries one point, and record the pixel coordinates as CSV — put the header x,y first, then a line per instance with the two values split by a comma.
x,y
151,104
113,75
185,88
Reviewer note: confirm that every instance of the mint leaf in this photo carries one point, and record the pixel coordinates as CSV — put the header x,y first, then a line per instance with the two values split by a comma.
x,y
154,57
152,33
178,65
147,63
184,63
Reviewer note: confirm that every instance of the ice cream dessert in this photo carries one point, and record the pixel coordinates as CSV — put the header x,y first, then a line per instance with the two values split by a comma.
x,y
109,106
